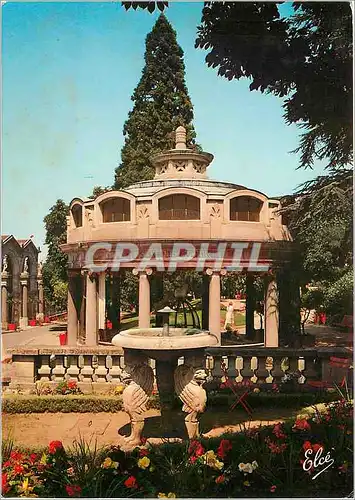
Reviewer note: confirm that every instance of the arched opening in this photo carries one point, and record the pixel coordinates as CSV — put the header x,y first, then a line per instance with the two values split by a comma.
x,y
77,213
116,210
179,207
245,208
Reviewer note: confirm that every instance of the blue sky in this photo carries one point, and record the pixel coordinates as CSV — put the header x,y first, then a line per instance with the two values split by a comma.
x,y
69,70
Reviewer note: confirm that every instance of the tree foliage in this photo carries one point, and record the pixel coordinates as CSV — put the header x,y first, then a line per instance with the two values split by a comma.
x,y
319,217
55,267
304,58
161,104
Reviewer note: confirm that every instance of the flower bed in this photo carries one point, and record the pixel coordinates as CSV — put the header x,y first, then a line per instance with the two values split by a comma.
x,y
277,461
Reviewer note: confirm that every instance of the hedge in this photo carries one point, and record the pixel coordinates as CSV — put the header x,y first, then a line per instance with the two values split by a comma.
x,y
111,404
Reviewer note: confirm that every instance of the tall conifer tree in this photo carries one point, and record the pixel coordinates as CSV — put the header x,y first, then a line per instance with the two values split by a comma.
x,y
161,104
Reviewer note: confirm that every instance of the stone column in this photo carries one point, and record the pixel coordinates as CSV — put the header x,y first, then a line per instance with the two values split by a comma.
x,y
102,300
144,298
91,311
24,286
4,307
205,301
72,325
214,313
250,307
271,314
40,313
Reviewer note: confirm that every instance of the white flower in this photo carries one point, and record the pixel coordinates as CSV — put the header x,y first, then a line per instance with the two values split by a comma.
x,y
246,468
254,464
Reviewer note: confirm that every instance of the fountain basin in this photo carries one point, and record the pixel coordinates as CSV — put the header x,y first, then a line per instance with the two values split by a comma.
x,y
151,339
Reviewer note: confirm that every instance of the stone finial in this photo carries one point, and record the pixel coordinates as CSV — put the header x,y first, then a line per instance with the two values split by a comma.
x,y
180,138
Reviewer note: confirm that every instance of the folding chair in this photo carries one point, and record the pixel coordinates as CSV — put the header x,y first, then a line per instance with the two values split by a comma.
x,y
338,363
241,395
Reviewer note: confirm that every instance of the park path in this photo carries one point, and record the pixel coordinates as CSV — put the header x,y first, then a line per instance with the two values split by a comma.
x,y
37,430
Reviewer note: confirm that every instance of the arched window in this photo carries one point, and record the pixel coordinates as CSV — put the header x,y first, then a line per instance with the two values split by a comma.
x,y
179,207
245,208
77,213
116,210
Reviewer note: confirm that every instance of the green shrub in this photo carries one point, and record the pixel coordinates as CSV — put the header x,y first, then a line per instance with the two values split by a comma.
x,y
58,403
95,404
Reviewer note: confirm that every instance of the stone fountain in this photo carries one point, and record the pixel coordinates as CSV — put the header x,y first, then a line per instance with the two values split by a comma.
x,y
165,345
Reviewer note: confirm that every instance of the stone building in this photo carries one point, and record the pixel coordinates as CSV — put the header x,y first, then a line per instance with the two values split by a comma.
x,y
180,206
21,282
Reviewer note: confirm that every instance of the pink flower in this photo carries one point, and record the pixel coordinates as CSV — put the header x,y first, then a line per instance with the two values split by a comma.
x,y
273,488
220,479
302,425
278,431
73,490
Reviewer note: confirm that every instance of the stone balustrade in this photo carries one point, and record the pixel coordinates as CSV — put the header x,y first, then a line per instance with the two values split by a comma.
x,y
97,369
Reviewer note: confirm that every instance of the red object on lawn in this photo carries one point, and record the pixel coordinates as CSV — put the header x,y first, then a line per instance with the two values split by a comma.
x,y
63,338
32,322
322,318
241,395
11,327
46,319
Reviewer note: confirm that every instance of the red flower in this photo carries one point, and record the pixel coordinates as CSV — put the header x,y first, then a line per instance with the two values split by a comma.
x,y
222,386
196,448
224,446
193,459
71,384
307,445
4,486
278,431
18,469
220,479
274,447
273,488
143,441
54,446
316,447
33,457
302,425
6,464
131,482
143,452
73,490
15,455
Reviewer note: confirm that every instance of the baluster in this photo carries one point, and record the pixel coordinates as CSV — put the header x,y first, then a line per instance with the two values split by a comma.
x,y
100,370
217,371
87,370
277,371
262,372
58,370
44,371
247,372
311,370
73,369
294,367
268,367
237,363
114,369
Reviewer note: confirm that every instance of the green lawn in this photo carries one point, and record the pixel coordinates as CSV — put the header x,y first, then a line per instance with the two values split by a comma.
x,y
132,322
